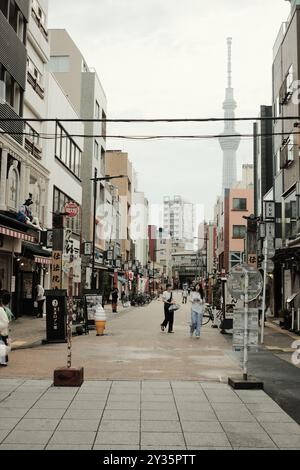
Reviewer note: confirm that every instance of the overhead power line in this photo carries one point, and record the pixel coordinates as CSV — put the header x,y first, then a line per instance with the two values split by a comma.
x,y
165,120
49,136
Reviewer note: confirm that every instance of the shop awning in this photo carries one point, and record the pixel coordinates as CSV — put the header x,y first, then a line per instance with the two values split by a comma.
x,y
38,253
16,234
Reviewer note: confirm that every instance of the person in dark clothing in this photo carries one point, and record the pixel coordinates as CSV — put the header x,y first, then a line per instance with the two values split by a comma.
x,y
114,298
169,314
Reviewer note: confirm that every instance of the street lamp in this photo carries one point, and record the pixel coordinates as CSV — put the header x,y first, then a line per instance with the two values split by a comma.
x,y
95,180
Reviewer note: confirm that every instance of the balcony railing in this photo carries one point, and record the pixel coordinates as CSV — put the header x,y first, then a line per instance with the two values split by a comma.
x,y
32,148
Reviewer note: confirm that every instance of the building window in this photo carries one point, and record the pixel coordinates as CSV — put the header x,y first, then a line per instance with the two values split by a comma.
x,y
291,148
239,204
239,231
35,77
287,151
32,141
286,91
21,27
97,111
103,125
39,17
96,150
236,258
102,160
290,79
67,151
278,107
277,162
84,67
59,64
13,188
13,15
9,89
60,199
4,7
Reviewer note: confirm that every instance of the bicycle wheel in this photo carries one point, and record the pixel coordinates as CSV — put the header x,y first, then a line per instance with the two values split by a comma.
x,y
205,319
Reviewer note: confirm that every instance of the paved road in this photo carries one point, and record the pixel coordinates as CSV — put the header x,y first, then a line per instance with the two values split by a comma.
x,y
273,365
135,348
147,390
148,415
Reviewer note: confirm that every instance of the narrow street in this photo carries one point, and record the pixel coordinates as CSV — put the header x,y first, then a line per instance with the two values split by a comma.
x,y
143,390
135,348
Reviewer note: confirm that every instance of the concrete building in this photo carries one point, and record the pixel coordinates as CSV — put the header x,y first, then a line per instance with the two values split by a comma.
x,y
228,220
164,255
179,221
230,144
247,180
284,237
84,90
64,156
185,267
118,163
211,248
22,168
139,225
238,203
263,158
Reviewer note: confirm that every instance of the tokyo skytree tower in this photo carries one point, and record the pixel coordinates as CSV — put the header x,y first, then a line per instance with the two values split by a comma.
x,y
229,145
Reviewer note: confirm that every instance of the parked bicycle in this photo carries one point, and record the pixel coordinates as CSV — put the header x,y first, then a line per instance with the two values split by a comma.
x,y
209,316
140,300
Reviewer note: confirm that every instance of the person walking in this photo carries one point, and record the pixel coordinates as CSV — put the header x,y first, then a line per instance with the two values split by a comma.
x,y
169,314
4,322
40,300
197,300
114,300
184,296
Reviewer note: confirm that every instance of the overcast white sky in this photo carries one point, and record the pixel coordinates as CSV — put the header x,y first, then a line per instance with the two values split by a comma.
x,y
167,59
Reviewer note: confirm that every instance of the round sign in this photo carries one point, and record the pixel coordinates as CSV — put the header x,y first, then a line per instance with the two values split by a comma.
x,y
71,209
236,283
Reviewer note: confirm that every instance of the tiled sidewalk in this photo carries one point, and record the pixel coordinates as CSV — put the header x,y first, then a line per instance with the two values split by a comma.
x,y
148,415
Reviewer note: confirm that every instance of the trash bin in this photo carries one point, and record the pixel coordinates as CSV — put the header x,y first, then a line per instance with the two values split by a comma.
x,y
56,316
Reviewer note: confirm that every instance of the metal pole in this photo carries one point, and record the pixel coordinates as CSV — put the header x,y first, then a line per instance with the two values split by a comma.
x,y
245,374
70,313
265,251
224,299
94,230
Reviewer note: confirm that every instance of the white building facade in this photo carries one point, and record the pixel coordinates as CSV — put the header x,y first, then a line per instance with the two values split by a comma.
x,y
179,221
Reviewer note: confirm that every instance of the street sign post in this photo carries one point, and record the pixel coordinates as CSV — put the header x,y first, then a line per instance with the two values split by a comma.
x,y
245,282
71,209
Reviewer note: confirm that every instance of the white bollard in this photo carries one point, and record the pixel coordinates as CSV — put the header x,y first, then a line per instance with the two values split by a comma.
x,y
215,323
